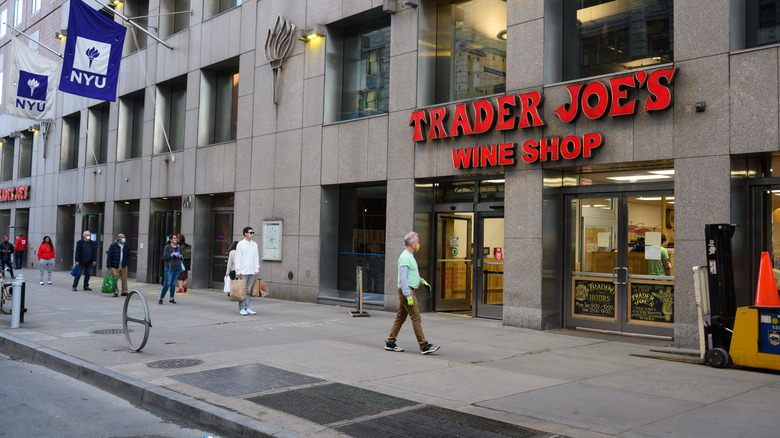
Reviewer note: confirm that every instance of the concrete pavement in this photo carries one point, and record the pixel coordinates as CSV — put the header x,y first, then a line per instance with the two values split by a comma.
x,y
557,382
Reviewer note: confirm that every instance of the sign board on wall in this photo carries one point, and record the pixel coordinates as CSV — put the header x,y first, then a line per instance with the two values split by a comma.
x,y
272,240
21,193
617,97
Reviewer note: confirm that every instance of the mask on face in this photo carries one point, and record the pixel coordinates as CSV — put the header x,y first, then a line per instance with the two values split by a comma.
x,y
122,240
416,247
87,237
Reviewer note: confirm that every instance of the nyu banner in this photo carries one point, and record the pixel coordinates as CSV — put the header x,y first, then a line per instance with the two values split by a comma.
x,y
33,83
93,52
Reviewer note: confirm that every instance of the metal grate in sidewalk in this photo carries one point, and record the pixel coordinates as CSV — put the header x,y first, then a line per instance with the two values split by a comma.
x,y
244,379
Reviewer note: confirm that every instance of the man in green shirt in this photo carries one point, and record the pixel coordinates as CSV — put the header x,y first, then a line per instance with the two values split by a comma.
x,y
660,267
408,281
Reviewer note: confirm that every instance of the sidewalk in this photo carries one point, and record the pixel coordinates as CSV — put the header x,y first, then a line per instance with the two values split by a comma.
x,y
301,369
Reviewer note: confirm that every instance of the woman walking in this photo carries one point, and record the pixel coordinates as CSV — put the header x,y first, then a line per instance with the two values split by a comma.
x,y
172,265
46,257
186,258
230,270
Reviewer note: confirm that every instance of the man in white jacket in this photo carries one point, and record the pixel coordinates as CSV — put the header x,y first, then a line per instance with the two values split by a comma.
x,y
247,263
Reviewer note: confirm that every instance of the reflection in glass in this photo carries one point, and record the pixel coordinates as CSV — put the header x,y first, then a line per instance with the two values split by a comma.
x,y
608,36
762,22
366,80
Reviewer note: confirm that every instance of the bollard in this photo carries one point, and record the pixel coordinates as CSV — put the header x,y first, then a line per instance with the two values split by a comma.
x,y
16,310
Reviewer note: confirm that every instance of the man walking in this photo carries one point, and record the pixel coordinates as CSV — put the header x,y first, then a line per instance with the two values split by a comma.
x,y
247,263
86,258
408,281
6,252
118,259
19,246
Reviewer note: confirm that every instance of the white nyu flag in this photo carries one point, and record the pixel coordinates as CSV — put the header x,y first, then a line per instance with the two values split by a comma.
x,y
32,84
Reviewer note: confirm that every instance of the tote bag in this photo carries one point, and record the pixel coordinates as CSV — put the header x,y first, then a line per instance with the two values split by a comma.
x,y
109,284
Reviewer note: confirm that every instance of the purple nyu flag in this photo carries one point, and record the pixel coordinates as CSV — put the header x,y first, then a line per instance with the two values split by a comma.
x,y
93,51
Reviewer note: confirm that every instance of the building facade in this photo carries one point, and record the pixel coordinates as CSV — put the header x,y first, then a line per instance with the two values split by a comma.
x,y
558,158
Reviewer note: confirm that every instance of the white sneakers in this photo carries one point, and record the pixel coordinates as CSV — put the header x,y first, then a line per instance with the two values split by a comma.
x,y
243,312
250,311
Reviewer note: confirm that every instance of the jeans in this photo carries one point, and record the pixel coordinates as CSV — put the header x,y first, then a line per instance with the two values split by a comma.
x,y
243,305
87,271
46,265
18,259
169,281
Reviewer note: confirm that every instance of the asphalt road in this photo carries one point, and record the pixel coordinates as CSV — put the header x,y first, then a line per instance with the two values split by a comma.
x,y
38,402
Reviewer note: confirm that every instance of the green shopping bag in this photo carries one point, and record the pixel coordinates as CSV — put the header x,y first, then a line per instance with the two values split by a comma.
x,y
109,284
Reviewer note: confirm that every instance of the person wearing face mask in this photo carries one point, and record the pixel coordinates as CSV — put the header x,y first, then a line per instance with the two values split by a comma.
x,y
85,258
46,257
6,252
408,281
118,259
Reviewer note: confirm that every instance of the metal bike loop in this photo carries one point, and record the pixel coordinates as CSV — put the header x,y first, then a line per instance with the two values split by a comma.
x,y
147,322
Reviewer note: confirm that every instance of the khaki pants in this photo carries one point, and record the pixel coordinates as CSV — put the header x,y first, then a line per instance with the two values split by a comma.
x,y
120,274
414,313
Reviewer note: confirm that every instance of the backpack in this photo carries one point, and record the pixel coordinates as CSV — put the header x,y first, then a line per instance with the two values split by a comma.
x,y
186,251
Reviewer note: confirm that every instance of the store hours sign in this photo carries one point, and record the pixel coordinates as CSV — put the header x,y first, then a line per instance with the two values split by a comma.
x,y
594,100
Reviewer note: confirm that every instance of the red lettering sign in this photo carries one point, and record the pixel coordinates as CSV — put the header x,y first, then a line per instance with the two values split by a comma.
x,y
20,193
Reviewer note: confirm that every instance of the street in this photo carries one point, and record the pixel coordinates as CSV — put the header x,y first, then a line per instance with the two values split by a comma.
x,y
35,401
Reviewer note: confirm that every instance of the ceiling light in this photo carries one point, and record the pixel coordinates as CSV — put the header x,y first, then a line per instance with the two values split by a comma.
x,y
633,178
652,198
663,172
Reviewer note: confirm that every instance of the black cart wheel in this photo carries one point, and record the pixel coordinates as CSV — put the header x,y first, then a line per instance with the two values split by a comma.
x,y
718,358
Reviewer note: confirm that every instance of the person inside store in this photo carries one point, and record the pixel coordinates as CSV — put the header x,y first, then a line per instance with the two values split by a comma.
x,y
661,267
118,259
640,245
247,261
85,258
409,281
172,265
46,257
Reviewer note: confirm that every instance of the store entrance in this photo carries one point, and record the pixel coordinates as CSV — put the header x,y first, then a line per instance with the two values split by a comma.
x,y
221,239
621,262
94,223
470,264
164,223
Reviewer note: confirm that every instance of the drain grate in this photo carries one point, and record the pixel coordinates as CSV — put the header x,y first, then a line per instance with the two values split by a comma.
x,y
331,403
244,379
174,363
435,422
110,331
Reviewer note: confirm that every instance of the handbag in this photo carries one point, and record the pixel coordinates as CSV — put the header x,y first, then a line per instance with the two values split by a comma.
x,y
182,266
109,284
226,288
238,290
232,274
259,288
75,271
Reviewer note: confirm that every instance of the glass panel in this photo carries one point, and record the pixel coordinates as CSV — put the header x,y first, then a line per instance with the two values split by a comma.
x,y
491,190
226,106
362,223
25,154
609,36
651,260
456,191
454,262
588,178
222,235
493,261
366,78
762,22
7,159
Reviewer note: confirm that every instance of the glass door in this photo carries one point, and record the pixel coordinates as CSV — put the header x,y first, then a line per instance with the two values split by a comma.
x,y
222,235
454,262
94,223
621,273
164,223
489,266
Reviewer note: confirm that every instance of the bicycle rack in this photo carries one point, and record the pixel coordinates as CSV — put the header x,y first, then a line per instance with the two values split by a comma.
x,y
147,322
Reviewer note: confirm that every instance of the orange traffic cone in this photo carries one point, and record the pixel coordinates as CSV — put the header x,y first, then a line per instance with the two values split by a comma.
x,y
766,293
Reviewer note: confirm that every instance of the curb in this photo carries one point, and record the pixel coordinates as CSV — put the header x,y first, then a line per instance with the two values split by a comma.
x,y
153,398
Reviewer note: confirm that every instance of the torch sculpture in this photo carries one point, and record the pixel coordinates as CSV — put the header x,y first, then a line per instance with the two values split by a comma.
x,y
277,46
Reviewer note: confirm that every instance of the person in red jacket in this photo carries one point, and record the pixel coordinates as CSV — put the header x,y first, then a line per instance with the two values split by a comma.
x,y
46,256
19,246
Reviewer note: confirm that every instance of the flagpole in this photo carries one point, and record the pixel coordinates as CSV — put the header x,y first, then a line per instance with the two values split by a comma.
x,y
36,42
139,27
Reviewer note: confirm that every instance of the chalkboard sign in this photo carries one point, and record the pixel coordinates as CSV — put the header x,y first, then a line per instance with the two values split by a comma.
x,y
593,298
652,302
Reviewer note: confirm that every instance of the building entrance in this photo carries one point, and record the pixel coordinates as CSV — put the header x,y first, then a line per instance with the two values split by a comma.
x,y
621,262
221,239
164,223
94,223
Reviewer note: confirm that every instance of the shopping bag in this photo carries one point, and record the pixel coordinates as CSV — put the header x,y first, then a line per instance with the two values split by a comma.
x,y
238,290
226,288
75,271
259,288
109,284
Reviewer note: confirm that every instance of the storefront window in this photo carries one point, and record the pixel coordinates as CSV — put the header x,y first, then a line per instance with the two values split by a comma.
x,y
361,240
461,50
762,22
609,36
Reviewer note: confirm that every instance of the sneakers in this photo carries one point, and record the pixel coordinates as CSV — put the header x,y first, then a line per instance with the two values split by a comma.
x,y
250,311
49,282
87,288
391,346
74,289
185,288
160,302
172,301
178,291
41,283
429,348
115,295
243,312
